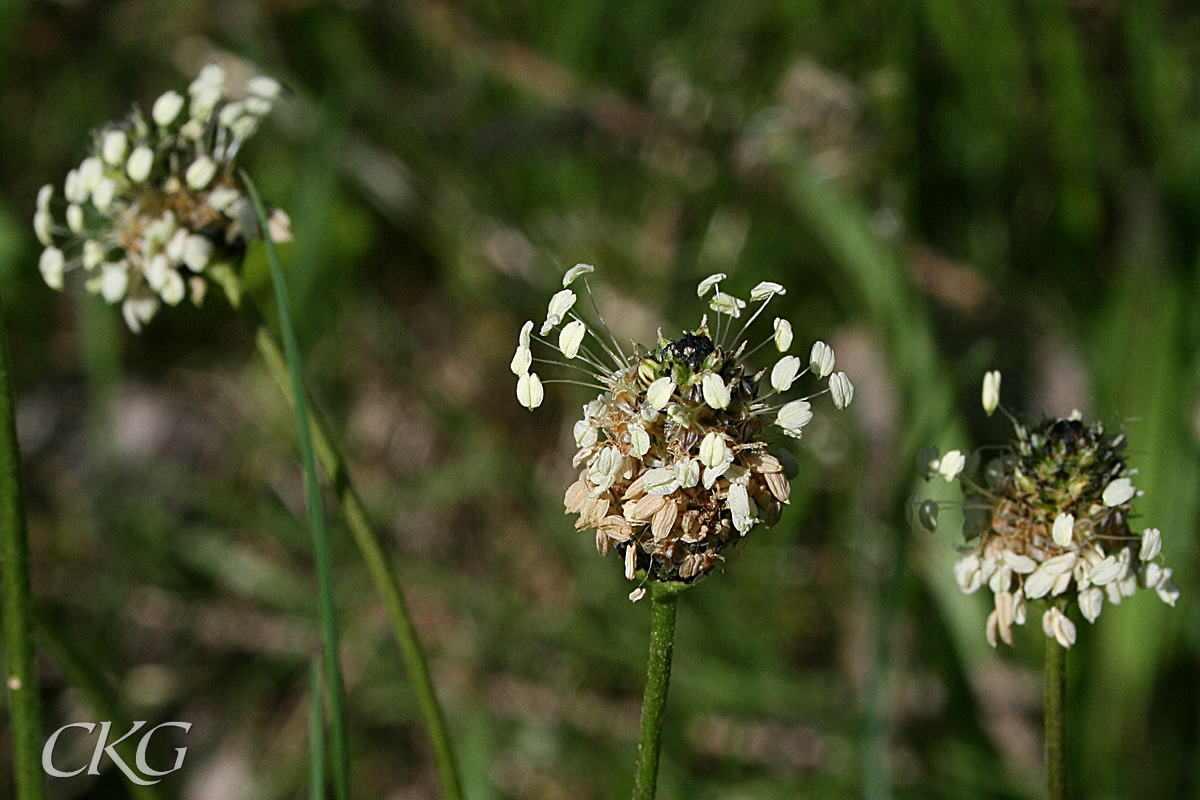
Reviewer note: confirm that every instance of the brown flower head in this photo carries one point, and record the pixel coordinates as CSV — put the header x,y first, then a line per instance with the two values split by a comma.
x,y
1048,519
677,455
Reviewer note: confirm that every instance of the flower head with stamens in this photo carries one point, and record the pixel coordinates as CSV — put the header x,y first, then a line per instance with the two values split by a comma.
x,y
678,454
1047,519
157,200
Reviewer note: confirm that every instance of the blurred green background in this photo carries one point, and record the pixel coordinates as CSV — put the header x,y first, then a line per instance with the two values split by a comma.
x,y
945,186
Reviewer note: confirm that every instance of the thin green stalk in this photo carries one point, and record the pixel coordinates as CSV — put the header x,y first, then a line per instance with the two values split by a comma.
x,y
316,514
368,542
663,601
1056,690
22,678
87,678
316,734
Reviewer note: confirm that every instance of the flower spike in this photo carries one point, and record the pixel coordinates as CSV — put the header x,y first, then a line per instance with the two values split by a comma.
x,y
675,453
1048,520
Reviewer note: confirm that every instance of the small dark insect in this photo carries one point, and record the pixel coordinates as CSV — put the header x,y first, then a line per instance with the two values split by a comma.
x,y
690,348
1067,431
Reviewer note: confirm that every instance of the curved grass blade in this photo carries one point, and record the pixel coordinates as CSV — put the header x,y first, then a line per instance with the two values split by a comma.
x,y
316,514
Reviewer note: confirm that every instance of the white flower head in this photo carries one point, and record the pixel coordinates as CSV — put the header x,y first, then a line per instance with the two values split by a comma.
x,y
794,416
521,361
560,304
137,311
1167,591
841,390
658,393
43,225
197,252
1119,492
764,290
706,285
727,304
93,254
140,163
529,390
821,360
716,393
51,265
783,374
967,573
103,194
1063,530
75,218
712,449
991,391
951,465
639,440
660,481
687,472
201,172
576,272
113,146
264,87
1091,601
571,337
114,280
139,213
167,107
1058,626
783,335
739,500
1105,572
1151,544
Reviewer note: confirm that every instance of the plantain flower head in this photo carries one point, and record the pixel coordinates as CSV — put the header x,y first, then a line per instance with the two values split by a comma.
x,y
157,201
678,455
1047,520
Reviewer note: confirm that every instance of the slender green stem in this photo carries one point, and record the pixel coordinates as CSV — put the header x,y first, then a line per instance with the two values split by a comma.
x,y
1056,690
316,734
371,548
22,678
316,515
365,537
663,601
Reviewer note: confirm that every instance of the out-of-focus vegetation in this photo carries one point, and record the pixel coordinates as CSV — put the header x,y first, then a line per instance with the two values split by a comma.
x,y
946,186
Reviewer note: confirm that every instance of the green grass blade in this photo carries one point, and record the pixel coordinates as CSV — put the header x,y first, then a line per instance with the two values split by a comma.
x,y
316,734
22,678
316,514
382,573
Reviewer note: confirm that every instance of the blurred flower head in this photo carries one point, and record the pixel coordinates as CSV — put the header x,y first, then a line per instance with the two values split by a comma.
x,y
157,201
1047,519
678,454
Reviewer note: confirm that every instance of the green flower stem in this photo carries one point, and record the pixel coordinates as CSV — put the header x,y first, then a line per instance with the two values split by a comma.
x,y
22,679
316,517
1056,690
368,542
663,600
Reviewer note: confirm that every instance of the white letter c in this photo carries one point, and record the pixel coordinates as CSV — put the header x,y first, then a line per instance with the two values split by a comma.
x,y
48,750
